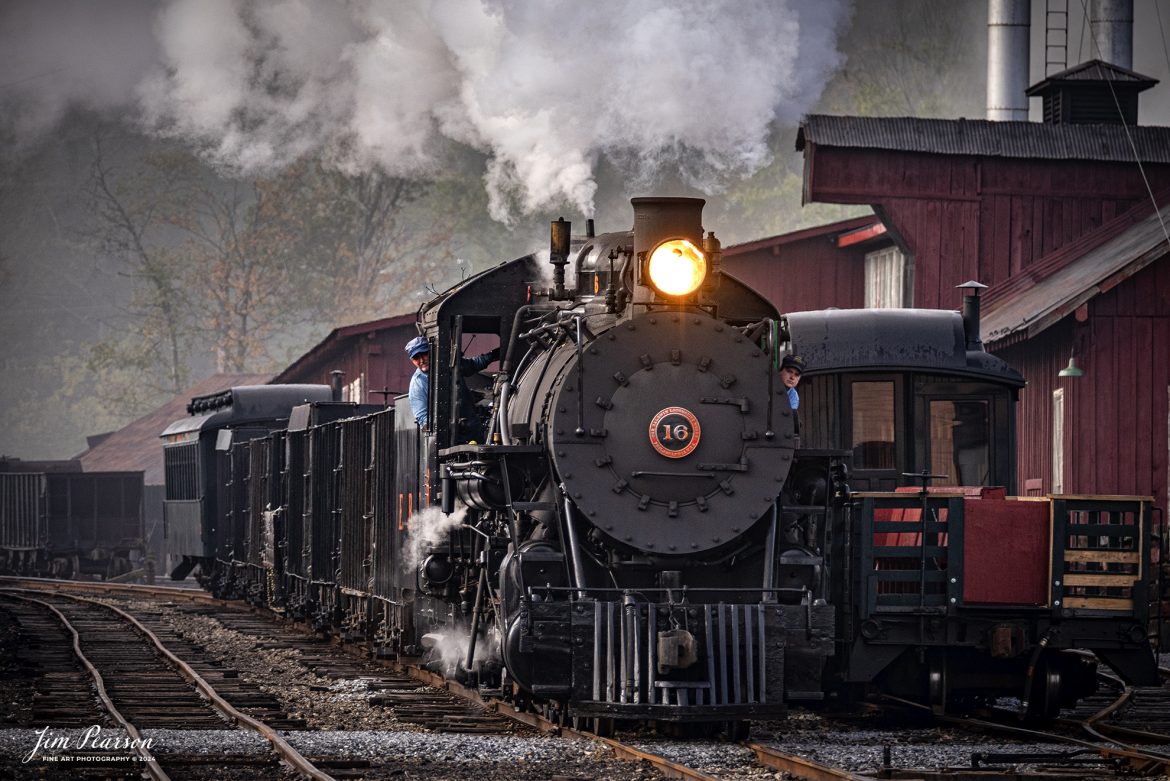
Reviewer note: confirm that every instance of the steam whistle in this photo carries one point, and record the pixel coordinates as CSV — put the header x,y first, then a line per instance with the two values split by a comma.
x,y
611,302
559,238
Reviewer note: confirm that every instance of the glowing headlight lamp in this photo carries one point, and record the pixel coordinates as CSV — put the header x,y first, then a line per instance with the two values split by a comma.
x,y
676,268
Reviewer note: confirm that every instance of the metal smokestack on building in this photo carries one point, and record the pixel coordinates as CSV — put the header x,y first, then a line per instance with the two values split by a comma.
x,y
1112,24
1008,27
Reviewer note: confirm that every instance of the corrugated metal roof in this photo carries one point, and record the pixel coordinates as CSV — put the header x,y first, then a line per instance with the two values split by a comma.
x,y
984,138
136,447
843,226
1096,71
1029,309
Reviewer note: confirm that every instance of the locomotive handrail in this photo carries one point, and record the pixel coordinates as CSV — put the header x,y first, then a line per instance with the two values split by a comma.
x,y
477,449
685,589
911,499
644,473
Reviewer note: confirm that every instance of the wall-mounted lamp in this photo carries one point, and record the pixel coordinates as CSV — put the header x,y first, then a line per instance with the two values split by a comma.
x,y
1072,370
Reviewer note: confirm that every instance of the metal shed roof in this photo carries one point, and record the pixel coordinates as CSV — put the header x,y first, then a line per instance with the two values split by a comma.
x,y
980,137
135,446
1053,291
1095,71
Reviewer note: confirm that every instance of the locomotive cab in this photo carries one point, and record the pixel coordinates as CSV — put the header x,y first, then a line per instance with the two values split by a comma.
x,y
906,390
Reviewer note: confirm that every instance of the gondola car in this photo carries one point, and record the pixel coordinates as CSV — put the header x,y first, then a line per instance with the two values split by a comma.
x,y
58,521
628,521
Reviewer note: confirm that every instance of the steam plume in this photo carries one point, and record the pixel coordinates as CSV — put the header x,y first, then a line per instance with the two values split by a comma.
x,y
543,89
429,527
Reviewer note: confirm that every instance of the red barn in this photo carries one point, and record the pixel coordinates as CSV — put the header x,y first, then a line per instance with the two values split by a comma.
x,y
1059,220
369,355
815,268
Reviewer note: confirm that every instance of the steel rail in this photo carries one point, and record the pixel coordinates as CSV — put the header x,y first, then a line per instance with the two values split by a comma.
x,y
795,766
1101,731
152,767
664,766
105,587
765,755
1143,761
799,767
282,747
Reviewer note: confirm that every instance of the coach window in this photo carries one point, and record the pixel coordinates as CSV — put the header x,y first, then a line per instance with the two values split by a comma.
x,y
960,442
874,445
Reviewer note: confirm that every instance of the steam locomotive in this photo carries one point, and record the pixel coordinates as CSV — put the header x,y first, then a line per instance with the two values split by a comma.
x,y
627,520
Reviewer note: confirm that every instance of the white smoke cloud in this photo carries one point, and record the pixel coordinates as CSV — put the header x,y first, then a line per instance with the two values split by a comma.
x,y
429,527
543,89
449,647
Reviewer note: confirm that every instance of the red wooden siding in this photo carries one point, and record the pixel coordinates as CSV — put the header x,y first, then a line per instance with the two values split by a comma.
x,y
1116,436
377,356
1039,360
803,275
977,218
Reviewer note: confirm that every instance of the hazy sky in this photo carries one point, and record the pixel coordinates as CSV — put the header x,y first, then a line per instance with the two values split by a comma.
x,y
542,88
1151,51
551,93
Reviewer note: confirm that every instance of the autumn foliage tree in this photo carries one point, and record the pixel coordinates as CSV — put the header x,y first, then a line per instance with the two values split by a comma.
x,y
129,223
241,274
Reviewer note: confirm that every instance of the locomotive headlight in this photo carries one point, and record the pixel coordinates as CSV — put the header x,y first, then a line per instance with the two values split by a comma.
x,y
676,267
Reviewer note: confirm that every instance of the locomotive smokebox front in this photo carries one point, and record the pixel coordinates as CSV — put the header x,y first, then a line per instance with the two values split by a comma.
x,y
671,432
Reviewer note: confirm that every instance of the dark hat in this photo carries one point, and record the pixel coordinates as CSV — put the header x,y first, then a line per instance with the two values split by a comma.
x,y
793,362
417,346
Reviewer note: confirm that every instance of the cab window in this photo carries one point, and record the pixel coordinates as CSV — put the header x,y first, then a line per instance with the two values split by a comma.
x,y
873,443
960,442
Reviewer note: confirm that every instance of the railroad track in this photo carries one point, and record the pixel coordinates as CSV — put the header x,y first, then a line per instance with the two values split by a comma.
x,y
442,706
1099,737
411,695
139,682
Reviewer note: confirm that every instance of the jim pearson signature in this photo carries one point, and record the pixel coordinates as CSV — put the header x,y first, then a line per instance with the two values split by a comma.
x,y
92,739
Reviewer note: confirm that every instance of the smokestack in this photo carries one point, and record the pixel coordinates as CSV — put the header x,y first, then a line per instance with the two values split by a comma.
x,y
1008,26
1112,24
660,219
336,378
971,323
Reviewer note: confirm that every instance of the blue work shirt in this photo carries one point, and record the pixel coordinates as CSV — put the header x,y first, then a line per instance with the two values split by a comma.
x,y
420,389
420,385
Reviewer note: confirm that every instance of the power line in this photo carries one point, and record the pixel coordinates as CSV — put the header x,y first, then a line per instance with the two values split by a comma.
x,y
1125,127
46,74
